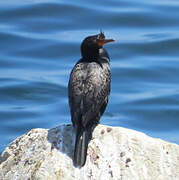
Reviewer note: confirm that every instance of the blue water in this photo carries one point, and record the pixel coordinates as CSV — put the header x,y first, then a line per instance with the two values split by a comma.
x,y
40,43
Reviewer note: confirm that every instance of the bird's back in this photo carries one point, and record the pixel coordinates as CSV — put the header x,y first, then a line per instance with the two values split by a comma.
x,y
89,88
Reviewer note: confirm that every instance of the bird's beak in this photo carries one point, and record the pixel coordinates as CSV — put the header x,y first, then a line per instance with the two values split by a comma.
x,y
101,42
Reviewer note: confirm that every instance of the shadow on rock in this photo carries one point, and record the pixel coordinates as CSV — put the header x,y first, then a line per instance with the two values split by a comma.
x,y
63,139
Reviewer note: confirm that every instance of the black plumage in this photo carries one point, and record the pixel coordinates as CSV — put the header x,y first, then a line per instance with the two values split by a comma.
x,y
89,89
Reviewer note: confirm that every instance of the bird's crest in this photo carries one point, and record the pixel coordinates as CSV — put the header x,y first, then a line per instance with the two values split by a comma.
x,y
101,35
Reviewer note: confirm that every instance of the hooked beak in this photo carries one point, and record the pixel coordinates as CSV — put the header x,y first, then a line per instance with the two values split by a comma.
x,y
101,42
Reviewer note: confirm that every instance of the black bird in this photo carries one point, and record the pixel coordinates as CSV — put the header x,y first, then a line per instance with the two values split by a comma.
x,y
88,90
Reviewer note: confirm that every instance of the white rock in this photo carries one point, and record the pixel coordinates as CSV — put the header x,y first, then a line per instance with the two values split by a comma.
x,y
113,153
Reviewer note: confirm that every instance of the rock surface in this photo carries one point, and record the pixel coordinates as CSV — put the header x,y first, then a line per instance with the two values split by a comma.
x,y
113,153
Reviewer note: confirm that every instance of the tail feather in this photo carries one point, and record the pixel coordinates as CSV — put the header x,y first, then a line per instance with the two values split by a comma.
x,y
83,136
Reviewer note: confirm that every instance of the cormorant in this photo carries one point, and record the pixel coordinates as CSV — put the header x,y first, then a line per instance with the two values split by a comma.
x,y
88,90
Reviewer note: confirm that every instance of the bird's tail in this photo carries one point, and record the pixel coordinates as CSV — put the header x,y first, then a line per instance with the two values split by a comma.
x,y
83,136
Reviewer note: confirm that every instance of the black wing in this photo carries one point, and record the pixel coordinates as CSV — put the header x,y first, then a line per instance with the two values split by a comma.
x,y
89,89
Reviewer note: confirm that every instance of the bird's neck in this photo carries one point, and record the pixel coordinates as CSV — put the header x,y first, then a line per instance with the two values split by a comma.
x,y
91,56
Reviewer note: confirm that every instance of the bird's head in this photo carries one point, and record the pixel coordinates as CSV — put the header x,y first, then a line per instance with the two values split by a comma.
x,y
91,45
